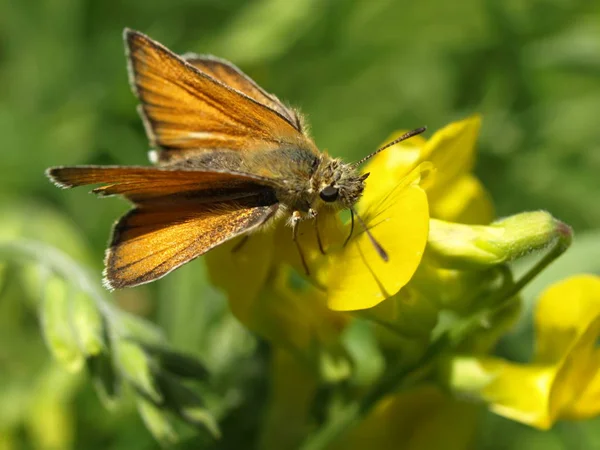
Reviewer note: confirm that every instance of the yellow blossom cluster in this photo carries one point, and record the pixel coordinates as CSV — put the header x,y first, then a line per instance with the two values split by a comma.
x,y
435,308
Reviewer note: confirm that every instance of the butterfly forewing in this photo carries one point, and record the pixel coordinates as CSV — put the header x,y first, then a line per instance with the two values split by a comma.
x,y
146,184
232,76
186,110
150,242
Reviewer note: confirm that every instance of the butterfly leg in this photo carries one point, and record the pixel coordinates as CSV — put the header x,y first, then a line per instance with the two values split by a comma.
x,y
296,218
351,227
313,214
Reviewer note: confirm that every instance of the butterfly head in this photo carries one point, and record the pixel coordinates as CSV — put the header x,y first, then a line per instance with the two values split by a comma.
x,y
339,185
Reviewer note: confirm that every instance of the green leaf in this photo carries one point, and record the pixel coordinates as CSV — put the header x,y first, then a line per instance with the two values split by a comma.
x,y
177,363
105,379
58,331
135,364
184,402
156,421
87,323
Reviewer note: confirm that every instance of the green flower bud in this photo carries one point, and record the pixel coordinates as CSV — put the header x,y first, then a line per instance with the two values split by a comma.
x,y
476,246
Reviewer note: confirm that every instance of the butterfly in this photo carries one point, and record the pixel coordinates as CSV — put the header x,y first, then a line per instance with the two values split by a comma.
x,y
229,158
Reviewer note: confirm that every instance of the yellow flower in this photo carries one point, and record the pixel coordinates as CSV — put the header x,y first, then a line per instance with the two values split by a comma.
x,y
563,380
395,209
454,193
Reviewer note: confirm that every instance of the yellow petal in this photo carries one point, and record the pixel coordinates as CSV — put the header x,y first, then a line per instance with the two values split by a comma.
x,y
454,194
588,403
521,393
357,277
565,311
575,372
452,152
391,165
540,394
465,201
242,272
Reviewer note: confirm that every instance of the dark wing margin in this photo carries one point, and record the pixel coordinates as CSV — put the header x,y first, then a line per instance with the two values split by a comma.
x,y
148,243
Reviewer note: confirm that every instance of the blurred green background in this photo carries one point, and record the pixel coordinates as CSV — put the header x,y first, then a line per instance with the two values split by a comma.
x,y
359,70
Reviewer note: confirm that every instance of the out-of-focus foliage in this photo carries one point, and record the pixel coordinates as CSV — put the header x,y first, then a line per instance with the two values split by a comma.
x,y
359,70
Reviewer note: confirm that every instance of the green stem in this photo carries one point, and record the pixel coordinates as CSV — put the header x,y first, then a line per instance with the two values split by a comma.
x,y
390,326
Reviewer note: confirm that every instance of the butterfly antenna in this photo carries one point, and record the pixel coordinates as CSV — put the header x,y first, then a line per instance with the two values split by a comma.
x,y
404,137
382,253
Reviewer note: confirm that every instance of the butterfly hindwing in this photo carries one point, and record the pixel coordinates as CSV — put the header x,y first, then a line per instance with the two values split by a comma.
x,y
149,242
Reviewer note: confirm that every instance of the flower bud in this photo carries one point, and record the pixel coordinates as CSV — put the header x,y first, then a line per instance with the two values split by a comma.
x,y
477,247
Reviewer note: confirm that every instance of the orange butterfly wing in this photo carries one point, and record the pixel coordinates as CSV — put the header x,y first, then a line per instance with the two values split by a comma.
x,y
145,184
229,74
185,110
150,242
180,215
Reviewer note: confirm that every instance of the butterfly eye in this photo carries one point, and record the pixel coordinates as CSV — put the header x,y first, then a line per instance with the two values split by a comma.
x,y
329,194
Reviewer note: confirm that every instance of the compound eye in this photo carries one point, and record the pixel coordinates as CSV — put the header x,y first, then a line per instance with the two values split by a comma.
x,y
329,194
